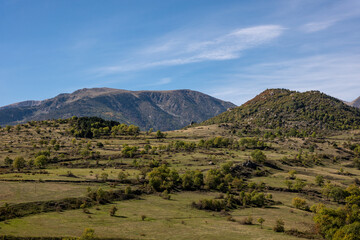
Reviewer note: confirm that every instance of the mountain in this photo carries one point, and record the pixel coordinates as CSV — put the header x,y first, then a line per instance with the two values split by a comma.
x,y
287,109
355,103
163,110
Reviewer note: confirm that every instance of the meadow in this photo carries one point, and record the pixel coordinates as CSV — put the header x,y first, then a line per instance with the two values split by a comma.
x,y
161,169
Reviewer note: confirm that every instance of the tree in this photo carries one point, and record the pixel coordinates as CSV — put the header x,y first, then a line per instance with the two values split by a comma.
x,y
162,178
89,234
299,203
258,156
292,174
113,211
299,184
122,176
261,221
104,176
279,226
159,134
348,232
8,161
19,163
56,147
319,179
41,161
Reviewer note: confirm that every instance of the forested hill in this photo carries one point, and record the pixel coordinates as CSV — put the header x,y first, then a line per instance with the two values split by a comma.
x,y
163,110
287,109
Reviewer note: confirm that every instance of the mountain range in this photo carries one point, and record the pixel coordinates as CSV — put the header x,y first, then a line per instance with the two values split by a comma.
x,y
163,110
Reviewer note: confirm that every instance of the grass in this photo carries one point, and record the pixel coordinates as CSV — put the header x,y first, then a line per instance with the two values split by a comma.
x,y
19,192
165,219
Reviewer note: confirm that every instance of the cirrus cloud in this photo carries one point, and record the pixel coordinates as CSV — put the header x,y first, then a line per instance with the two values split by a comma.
x,y
225,47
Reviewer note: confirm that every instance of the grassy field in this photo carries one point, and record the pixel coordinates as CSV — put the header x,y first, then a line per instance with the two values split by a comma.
x,y
71,173
165,219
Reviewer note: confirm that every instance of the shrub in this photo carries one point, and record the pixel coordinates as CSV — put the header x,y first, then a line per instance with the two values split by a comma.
x,y
299,203
89,234
319,180
247,220
279,226
261,221
40,161
258,156
113,211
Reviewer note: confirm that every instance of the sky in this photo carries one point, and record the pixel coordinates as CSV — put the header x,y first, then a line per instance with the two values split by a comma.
x,y
229,49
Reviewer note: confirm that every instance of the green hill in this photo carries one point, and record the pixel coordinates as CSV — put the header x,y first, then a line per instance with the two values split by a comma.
x,y
287,109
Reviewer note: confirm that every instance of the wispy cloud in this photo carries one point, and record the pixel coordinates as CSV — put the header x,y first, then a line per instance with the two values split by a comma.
x,y
226,47
339,11
318,26
337,75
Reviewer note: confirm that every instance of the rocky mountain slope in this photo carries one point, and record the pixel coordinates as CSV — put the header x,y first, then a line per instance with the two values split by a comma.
x,y
164,110
355,103
287,109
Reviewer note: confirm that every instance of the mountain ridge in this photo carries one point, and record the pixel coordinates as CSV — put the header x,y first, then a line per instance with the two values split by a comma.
x,y
164,110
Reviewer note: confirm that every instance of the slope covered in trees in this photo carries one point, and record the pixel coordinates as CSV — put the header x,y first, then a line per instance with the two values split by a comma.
x,y
282,108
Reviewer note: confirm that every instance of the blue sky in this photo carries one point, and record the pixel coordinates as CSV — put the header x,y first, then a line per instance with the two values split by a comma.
x,y
232,50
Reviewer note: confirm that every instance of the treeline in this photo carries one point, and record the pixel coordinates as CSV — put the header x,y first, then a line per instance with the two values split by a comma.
x,y
223,179
230,201
94,127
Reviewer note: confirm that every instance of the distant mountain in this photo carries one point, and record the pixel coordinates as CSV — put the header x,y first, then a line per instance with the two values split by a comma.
x,y
164,110
355,103
287,109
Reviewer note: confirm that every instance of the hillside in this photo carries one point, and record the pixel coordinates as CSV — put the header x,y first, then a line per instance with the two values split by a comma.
x,y
287,109
164,110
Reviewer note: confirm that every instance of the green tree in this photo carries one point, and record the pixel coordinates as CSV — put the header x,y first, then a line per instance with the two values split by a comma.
x,y
292,174
19,163
279,226
258,156
89,234
41,161
122,176
113,211
8,161
104,176
261,221
299,203
160,134
319,179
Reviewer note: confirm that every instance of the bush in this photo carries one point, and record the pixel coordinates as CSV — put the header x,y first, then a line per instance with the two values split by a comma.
x,y
299,203
41,161
113,211
258,156
89,234
279,226
247,221
319,179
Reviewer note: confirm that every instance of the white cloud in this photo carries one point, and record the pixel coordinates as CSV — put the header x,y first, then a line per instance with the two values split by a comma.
x,y
335,13
317,26
226,47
